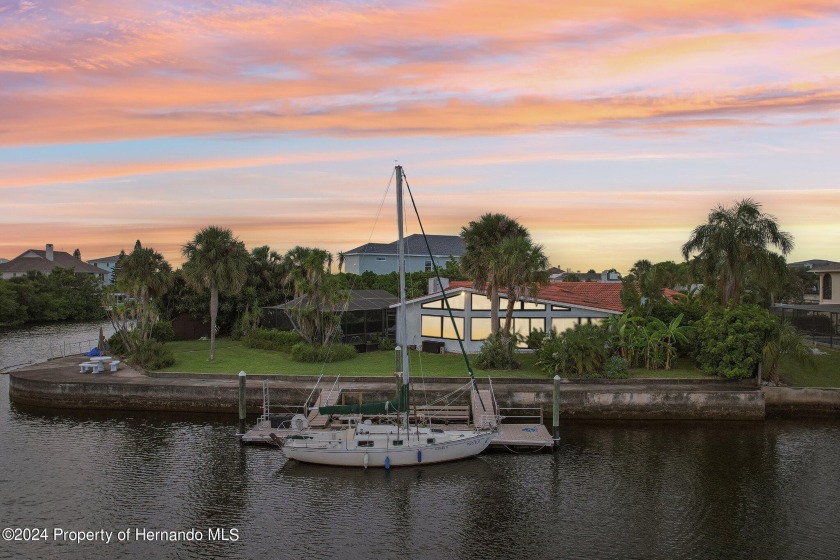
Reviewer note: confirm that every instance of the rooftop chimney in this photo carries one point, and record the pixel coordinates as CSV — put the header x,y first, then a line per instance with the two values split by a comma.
x,y
50,252
435,286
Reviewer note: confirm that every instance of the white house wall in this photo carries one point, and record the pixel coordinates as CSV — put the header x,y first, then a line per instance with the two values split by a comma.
x,y
415,312
835,287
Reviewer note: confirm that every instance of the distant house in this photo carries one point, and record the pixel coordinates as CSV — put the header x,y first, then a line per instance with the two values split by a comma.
x,y
44,261
829,283
821,320
4,261
560,305
382,258
108,264
811,263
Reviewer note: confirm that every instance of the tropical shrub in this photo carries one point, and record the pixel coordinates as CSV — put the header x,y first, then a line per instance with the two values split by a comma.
x,y
616,368
270,339
162,331
386,344
537,337
497,352
580,351
785,340
152,355
116,346
731,339
647,341
311,353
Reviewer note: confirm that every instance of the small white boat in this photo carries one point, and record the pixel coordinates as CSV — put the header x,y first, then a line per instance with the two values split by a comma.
x,y
397,443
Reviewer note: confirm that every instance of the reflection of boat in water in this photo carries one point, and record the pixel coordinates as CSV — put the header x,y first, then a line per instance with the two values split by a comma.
x,y
396,442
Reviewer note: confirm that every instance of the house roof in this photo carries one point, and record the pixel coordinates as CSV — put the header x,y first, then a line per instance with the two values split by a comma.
x,y
360,300
604,296
36,259
113,259
812,263
834,267
441,246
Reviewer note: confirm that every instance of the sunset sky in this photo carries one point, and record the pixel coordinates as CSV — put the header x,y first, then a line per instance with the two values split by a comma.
x,y
609,129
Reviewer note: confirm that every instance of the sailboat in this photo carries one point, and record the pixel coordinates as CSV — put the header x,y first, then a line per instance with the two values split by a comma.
x,y
399,442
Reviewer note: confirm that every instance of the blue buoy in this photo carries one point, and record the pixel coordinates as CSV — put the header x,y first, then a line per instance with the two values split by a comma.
x,y
387,462
419,456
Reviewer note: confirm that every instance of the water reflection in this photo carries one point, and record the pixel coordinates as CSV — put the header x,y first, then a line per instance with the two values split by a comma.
x,y
630,490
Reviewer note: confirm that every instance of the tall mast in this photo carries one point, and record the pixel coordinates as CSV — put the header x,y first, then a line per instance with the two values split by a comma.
x,y
402,322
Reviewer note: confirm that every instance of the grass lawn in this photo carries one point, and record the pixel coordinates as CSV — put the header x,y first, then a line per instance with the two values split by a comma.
x,y
825,374
233,357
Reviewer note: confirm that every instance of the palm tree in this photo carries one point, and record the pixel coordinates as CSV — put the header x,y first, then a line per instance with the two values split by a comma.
x,y
734,240
784,340
523,267
483,260
341,258
216,261
144,276
308,272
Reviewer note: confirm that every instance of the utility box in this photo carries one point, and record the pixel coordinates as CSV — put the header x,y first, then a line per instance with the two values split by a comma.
x,y
433,347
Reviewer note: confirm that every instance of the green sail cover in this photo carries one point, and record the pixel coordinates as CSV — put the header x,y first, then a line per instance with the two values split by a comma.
x,y
397,404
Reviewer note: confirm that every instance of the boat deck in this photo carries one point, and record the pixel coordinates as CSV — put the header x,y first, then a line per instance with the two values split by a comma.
x,y
511,436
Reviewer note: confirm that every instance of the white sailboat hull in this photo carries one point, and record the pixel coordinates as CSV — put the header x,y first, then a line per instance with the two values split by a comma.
x,y
344,451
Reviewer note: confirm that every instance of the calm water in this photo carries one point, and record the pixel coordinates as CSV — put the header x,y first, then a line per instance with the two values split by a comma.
x,y
38,343
640,490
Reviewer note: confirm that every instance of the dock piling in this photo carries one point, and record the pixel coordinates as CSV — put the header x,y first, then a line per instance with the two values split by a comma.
x,y
242,376
555,417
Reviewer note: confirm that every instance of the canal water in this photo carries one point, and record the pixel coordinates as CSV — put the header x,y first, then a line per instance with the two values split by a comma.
x,y
40,342
768,490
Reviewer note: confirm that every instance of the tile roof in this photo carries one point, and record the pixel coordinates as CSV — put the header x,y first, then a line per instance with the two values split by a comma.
x,y
36,259
441,245
598,295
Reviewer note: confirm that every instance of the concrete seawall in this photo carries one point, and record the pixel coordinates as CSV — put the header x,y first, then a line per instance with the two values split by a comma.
x,y
58,384
801,401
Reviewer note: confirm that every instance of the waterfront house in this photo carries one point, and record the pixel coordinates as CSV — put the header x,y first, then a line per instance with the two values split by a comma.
x,y
383,258
108,264
558,305
45,261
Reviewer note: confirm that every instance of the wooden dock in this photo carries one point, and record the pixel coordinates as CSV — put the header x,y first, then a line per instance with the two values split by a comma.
x,y
513,436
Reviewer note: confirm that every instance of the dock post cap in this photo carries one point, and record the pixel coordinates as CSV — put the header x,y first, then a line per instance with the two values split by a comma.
x,y
242,374
557,377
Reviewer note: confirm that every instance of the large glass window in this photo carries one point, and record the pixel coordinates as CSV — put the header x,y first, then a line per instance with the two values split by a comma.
x,y
479,328
562,324
434,326
480,302
524,325
826,286
455,302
